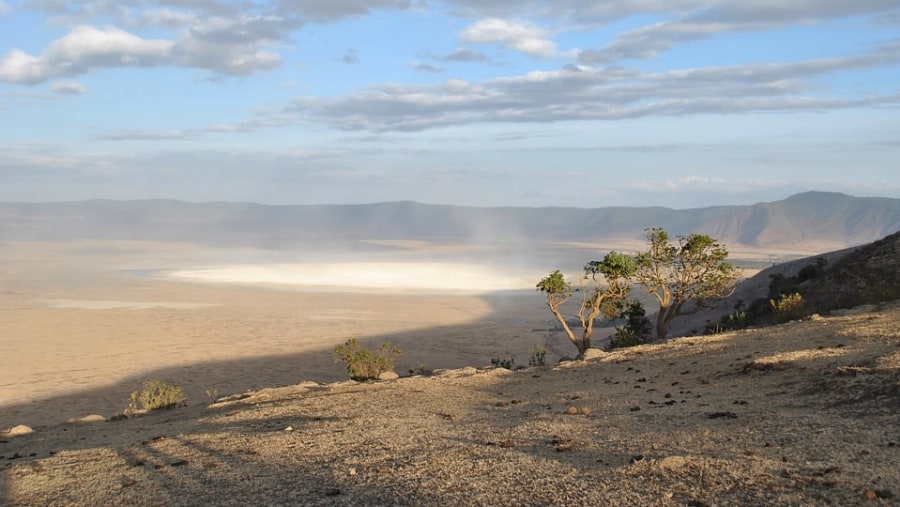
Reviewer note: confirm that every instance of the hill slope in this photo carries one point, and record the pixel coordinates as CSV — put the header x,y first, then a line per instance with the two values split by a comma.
x,y
807,413
813,220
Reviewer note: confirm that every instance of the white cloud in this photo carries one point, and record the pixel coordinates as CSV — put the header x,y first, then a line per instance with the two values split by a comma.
x,y
81,50
590,93
68,88
520,36
222,46
733,16
4,8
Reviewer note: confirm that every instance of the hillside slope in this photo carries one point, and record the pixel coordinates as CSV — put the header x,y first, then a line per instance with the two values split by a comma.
x,y
806,413
816,220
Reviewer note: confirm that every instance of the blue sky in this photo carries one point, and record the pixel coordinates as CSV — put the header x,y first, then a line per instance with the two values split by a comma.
x,y
679,103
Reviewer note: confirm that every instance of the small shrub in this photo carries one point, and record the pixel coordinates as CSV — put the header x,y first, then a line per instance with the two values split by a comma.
x,y
419,370
637,329
537,355
733,321
500,362
156,395
790,307
364,364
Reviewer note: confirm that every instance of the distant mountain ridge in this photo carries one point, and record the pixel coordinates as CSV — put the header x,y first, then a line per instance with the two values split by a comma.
x,y
810,218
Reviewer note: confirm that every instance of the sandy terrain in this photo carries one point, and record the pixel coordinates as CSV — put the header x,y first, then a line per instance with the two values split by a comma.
x,y
83,325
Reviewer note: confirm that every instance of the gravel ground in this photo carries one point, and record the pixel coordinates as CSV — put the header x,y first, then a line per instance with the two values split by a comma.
x,y
801,414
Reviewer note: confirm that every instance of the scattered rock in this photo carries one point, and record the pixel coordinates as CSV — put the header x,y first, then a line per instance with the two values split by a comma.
x,y
721,415
591,354
571,411
673,463
585,411
93,418
562,444
127,481
118,417
460,372
352,472
636,459
388,375
332,492
289,428
19,430
179,463
635,409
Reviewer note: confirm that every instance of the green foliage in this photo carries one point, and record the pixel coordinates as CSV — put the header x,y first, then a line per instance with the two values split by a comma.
x,y
637,328
537,355
737,319
419,370
364,364
502,362
685,277
156,395
790,307
555,285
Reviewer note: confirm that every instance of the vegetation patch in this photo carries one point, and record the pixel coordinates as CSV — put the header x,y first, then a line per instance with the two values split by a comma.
x,y
365,364
156,395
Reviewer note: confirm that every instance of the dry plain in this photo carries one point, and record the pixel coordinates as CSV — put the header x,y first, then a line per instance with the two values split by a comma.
x,y
801,414
83,324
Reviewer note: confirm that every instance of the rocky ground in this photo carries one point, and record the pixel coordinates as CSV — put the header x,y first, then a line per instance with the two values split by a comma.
x,y
805,413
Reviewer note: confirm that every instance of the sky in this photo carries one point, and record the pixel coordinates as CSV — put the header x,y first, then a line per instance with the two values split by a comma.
x,y
678,103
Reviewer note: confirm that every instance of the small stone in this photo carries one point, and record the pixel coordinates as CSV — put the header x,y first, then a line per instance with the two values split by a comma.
x,y
352,472
585,411
117,417
722,415
289,428
19,430
332,492
388,375
571,411
869,495
93,418
590,354
127,481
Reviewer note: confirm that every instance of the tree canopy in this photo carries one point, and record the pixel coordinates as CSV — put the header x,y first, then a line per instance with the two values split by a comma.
x,y
604,283
683,277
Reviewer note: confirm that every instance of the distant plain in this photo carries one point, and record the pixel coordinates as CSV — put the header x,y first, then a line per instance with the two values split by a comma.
x,y
86,321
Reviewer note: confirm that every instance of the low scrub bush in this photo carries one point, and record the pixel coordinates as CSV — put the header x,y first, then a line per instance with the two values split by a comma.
x,y
156,395
537,355
637,328
790,307
502,362
738,319
365,364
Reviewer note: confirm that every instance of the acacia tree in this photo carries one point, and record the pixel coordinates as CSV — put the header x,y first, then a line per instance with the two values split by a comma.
x,y
604,282
685,277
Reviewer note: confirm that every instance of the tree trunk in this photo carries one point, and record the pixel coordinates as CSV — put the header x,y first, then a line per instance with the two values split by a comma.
x,y
662,322
565,325
585,341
